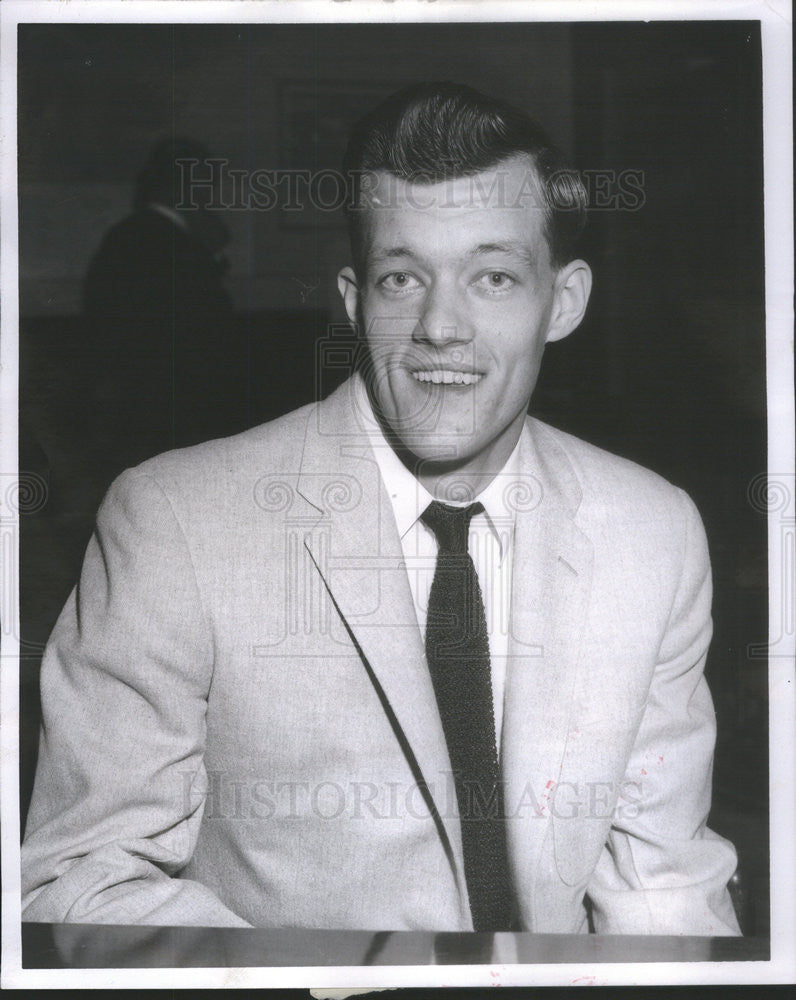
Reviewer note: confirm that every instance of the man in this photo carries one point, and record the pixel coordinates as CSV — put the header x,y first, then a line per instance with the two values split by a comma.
x,y
159,320
404,659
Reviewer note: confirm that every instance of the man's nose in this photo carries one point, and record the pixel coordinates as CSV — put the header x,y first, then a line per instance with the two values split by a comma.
x,y
443,320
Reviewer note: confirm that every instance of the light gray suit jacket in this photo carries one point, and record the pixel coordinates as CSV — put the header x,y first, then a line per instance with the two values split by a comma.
x,y
240,727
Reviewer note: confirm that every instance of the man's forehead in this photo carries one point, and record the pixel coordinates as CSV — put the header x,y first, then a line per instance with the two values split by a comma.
x,y
495,211
512,184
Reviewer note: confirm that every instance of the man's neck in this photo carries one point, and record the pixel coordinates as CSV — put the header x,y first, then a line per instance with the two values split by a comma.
x,y
451,481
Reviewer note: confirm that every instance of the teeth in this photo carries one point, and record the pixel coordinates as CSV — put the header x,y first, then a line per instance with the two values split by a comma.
x,y
448,377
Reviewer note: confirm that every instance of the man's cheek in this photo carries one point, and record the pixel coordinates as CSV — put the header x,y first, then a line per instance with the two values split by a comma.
x,y
391,323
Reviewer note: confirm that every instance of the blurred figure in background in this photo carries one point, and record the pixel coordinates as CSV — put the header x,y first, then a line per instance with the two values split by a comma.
x,y
160,321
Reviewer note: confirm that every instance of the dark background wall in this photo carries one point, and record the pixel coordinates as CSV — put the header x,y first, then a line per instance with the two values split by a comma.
x,y
668,368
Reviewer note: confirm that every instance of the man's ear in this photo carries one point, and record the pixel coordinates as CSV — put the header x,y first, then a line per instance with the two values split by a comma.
x,y
348,287
571,296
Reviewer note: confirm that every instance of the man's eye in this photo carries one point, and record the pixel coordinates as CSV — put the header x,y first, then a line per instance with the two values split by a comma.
x,y
495,281
398,281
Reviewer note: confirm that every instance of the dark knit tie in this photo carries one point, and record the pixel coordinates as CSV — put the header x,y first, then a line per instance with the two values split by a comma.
x,y
457,649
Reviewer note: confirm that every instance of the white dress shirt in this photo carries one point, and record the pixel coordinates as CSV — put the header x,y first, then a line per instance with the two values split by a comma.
x,y
490,543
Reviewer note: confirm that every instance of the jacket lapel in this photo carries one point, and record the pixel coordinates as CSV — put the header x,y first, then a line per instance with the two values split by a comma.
x,y
551,581
354,544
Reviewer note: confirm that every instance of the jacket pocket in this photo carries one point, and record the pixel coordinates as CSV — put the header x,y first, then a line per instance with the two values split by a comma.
x,y
578,844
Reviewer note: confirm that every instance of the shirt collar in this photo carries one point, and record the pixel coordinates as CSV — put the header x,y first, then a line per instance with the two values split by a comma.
x,y
408,496
168,213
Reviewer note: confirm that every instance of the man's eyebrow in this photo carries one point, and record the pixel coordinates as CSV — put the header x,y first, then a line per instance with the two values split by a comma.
x,y
389,253
513,247
510,247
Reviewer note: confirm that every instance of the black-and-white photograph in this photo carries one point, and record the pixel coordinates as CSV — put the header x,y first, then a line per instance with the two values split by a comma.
x,y
393,504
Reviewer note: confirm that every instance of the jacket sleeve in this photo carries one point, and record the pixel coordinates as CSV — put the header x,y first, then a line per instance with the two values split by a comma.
x,y
662,871
118,796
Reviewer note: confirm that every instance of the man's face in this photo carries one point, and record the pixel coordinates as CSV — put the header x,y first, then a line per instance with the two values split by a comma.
x,y
457,300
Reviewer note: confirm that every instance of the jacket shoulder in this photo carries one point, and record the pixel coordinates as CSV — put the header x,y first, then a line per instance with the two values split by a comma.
x,y
610,484
216,466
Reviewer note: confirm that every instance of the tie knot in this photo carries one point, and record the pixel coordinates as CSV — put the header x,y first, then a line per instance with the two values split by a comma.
x,y
450,524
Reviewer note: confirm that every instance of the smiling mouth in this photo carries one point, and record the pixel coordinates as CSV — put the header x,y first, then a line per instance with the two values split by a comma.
x,y
447,376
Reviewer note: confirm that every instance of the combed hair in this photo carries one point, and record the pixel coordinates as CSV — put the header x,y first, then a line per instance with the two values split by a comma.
x,y
431,132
